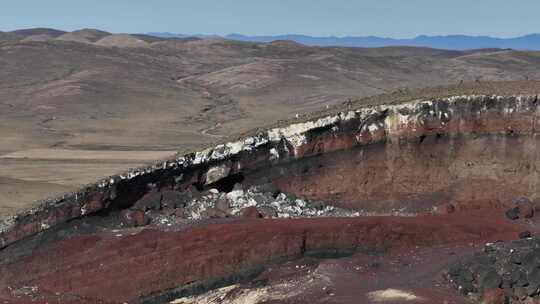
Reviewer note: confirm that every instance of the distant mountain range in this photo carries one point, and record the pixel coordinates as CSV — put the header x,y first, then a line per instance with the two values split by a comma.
x,y
452,42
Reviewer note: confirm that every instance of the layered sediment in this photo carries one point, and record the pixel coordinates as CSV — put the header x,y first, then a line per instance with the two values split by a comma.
x,y
397,138
156,266
469,155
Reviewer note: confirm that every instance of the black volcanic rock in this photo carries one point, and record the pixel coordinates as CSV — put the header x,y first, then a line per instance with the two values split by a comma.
x,y
513,266
525,208
524,234
512,213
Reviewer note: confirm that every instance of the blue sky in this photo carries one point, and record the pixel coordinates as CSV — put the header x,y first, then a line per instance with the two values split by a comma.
x,y
389,18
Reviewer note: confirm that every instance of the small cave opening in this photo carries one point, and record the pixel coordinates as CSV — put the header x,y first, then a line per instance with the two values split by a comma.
x,y
226,184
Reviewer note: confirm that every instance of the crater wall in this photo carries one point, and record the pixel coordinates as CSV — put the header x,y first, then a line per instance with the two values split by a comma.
x,y
451,149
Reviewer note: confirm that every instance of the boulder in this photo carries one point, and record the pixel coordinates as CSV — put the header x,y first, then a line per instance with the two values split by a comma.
x,y
261,199
250,212
94,205
494,296
318,205
531,260
180,212
531,290
525,234
525,208
223,205
462,277
466,288
238,186
536,204
216,173
446,209
517,257
214,213
268,188
517,276
534,280
175,199
520,293
530,300
490,280
268,212
512,213
150,201
134,218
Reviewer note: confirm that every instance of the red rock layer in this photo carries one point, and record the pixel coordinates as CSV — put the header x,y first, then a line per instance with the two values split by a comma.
x,y
124,268
415,176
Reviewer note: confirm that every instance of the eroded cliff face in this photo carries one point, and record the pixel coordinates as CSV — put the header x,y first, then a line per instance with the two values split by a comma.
x,y
407,157
417,176
154,266
446,172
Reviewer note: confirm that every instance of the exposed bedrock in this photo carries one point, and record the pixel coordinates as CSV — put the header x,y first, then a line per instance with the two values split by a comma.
x,y
457,164
158,266
417,176
407,157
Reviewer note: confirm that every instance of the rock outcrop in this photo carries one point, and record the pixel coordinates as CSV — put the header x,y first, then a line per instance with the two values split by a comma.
x,y
419,136
155,266
510,270
457,171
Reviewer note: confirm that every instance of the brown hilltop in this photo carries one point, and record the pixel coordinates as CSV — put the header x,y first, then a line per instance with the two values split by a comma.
x,y
38,31
121,40
84,35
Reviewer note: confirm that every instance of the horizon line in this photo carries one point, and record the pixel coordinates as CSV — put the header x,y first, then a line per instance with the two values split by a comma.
x,y
283,34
